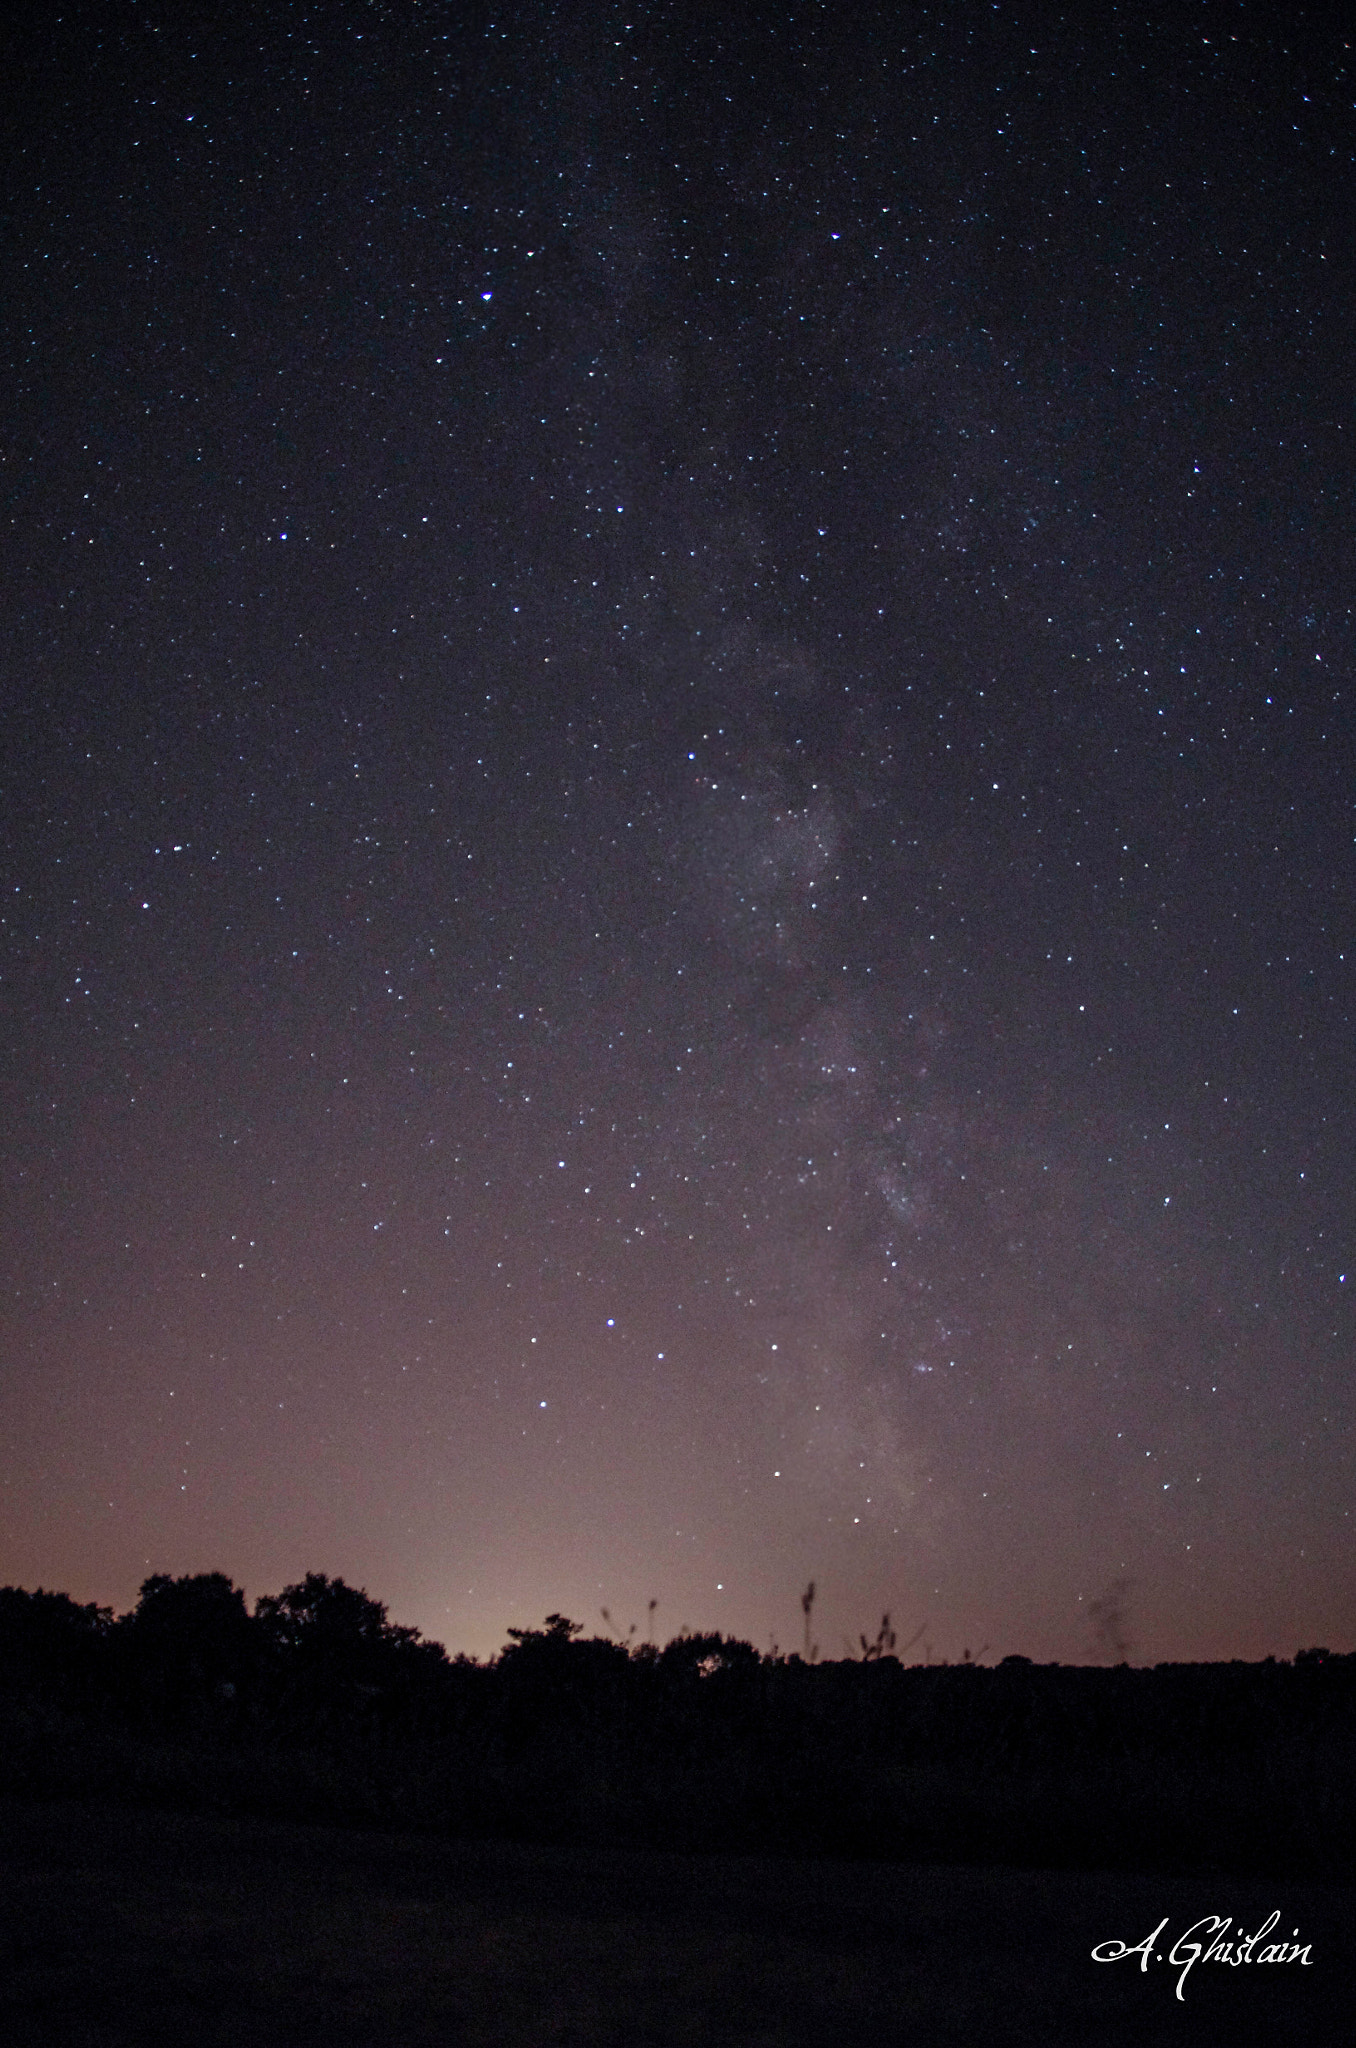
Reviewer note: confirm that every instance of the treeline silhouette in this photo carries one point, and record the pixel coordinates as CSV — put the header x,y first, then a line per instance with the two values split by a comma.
x,y
316,1707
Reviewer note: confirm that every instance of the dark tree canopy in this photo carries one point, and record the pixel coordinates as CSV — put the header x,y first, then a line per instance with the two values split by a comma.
x,y
324,1613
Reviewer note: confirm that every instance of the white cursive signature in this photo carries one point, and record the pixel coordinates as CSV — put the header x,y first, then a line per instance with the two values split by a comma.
x,y
1204,1942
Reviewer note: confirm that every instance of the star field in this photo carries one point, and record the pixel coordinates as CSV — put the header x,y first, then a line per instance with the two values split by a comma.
x,y
677,818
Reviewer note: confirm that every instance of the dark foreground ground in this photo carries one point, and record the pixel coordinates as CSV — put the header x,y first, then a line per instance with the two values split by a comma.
x,y
139,1928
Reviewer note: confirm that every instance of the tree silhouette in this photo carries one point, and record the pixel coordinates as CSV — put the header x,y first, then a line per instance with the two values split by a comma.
x,y
50,1647
559,1629
335,1657
189,1647
555,1674
324,1614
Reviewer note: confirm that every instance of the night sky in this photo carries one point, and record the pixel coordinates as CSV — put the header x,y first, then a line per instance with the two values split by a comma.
x,y
677,817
